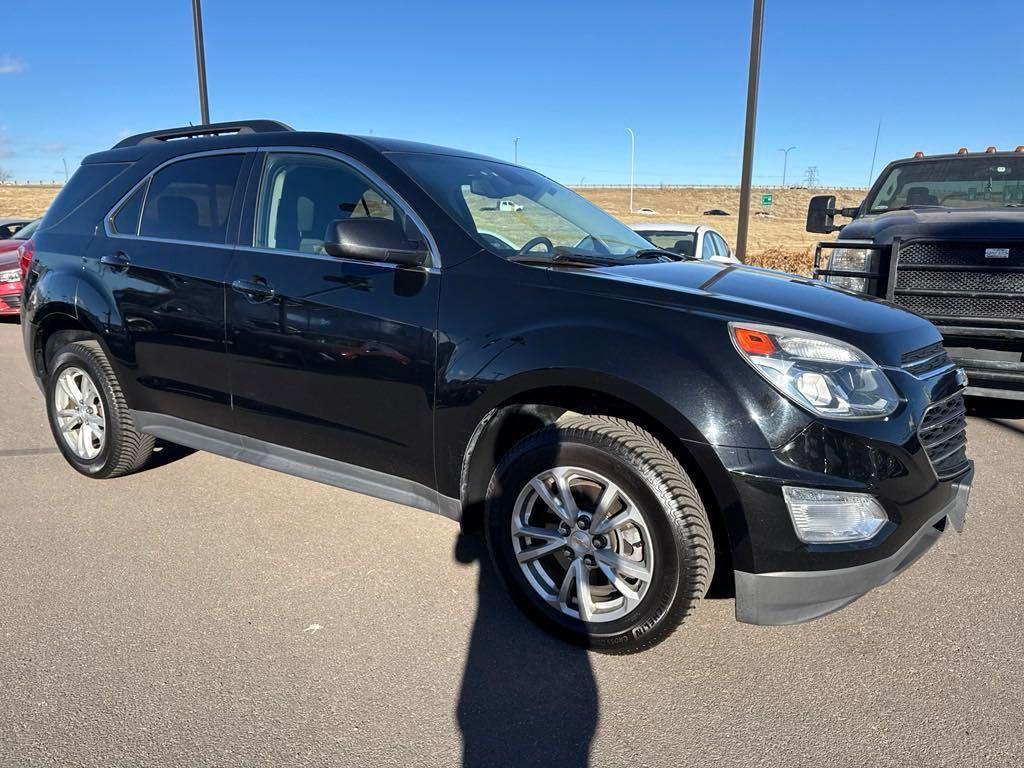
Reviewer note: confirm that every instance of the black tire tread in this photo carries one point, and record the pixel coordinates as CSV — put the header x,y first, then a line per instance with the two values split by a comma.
x,y
679,495
132,451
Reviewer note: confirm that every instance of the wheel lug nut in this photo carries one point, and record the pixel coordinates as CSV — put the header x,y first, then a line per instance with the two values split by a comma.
x,y
589,561
564,529
567,551
583,522
599,542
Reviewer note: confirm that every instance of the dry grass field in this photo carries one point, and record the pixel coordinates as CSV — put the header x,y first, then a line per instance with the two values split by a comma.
x,y
777,240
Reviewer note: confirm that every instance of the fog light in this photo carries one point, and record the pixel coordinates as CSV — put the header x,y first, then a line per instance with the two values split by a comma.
x,y
832,517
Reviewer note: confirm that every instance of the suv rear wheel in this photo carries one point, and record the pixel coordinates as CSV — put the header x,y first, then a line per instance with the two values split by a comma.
x,y
599,533
88,415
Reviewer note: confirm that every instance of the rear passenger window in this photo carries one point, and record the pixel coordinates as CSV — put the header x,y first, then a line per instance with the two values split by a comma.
x,y
300,195
126,220
191,199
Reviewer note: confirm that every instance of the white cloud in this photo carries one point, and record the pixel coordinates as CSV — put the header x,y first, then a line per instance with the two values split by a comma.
x,y
10,65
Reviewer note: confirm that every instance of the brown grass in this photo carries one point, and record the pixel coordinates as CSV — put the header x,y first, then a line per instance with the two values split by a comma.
x,y
778,241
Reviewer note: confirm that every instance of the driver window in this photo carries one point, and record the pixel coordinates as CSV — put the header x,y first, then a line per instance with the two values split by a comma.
x,y
508,223
300,195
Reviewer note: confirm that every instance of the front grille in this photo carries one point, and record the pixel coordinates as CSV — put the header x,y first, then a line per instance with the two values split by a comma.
x,y
952,280
964,306
948,253
943,434
926,359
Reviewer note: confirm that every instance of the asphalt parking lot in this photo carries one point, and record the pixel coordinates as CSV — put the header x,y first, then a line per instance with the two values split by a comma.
x,y
206,612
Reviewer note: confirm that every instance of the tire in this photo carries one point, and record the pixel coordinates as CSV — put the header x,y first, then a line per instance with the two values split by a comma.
x,y
122,449
663,554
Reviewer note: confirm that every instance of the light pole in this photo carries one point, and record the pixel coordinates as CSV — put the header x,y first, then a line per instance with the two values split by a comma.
x,y
197,25
785,162
515,150
753,77
632,164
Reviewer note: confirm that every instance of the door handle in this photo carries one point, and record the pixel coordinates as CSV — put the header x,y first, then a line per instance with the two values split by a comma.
x,y
257,290
118,262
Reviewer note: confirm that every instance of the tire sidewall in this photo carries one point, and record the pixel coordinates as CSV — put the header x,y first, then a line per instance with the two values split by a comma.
x,y
646,492
74,355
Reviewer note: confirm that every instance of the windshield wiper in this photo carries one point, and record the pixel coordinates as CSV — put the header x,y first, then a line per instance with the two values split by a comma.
x,y
562,259
907,207
651,253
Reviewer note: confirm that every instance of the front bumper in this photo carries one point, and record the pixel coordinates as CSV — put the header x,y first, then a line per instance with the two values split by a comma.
x,y
791,597
10,298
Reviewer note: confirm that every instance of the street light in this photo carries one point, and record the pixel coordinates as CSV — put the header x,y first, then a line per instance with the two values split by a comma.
x,y
785,162
515,145
632,164
197,27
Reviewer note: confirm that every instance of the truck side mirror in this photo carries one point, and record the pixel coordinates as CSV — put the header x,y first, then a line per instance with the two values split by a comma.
x,y
821,214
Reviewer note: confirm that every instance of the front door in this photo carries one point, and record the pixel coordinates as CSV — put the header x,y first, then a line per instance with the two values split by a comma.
x,y
333,357
164,258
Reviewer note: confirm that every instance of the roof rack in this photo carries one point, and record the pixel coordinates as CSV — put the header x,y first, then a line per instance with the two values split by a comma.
x,y
210,129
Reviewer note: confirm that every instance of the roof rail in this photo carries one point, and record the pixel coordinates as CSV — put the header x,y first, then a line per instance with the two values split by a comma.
x,y
210,129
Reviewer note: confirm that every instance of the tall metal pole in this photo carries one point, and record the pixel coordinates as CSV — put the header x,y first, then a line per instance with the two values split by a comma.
x,y
197,24
874,155
515,144
785,162
753,77
632,164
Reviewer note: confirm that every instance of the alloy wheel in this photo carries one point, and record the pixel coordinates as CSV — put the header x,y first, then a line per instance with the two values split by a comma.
x,y
582,544
79,412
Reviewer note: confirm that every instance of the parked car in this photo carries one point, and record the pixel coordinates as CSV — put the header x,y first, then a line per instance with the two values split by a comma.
x,y
9,227
694,240
620,421
10,269
942,236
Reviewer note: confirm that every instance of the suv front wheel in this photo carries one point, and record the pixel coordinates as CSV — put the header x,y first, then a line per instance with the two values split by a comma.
x,y
88,414
599,533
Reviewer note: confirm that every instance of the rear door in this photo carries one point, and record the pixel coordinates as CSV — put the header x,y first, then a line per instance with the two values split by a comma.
x,y
164,256
333,357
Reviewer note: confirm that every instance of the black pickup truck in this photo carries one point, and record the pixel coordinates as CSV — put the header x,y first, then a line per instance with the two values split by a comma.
x,y
942,236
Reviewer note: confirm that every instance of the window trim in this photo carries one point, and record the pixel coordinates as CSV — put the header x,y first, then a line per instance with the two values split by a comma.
x,y
361,169
108,220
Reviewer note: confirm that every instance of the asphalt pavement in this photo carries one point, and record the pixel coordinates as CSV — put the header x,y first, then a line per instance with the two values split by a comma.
x,y
207,612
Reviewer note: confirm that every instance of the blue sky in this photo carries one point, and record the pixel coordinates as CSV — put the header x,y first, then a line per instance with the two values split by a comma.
x,y
567,76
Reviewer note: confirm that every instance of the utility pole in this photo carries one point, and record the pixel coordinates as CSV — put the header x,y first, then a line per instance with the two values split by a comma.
x,y
197,25
515,146
632,164
785,162
811,176
753,79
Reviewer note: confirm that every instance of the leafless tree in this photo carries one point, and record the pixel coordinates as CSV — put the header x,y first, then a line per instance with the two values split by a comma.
x,y
5,175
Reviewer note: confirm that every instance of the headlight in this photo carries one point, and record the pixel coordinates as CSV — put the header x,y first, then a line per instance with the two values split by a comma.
x,y
827,377
851,260
10,276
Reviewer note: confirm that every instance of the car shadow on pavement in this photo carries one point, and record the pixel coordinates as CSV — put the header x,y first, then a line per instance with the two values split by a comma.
x,y
527,698
166,453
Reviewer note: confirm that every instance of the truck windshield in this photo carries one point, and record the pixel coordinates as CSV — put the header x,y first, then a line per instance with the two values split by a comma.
x,y
961,182
509,209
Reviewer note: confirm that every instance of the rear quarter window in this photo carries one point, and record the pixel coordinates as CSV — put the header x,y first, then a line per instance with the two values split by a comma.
x,y
86,182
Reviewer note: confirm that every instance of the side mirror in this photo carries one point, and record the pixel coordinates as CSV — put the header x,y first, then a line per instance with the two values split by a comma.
x,y
821,214
373,239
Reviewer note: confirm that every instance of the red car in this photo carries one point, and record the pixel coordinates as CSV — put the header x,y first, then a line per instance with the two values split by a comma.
x,y
10,269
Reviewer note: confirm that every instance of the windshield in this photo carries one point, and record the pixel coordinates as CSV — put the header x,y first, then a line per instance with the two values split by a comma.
x,y
683,243
963,182
26,232
507,208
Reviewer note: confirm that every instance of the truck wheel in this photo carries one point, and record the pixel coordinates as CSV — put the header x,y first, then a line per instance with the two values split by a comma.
x,y
88,415
599,533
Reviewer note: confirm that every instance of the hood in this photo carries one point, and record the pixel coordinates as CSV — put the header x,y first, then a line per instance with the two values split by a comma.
x,y
751,294
939,224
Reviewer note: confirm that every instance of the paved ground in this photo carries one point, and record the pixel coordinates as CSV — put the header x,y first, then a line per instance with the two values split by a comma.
x,y
206,612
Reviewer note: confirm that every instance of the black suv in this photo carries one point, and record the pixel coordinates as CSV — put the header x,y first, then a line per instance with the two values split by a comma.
x,y
465,336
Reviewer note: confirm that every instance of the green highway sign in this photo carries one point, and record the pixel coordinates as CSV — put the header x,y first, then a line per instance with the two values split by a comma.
x,y
766,199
